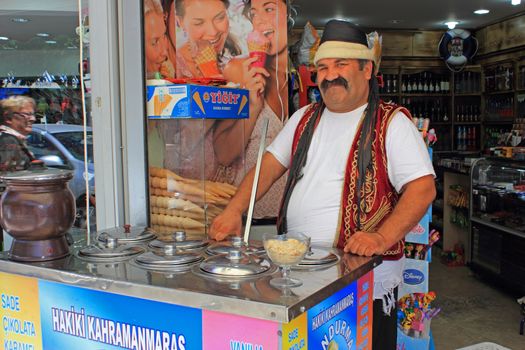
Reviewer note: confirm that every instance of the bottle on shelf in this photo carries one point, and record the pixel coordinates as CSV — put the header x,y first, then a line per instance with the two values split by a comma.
x,y
394,83
445,116
474,141
458,88
521,82
459,138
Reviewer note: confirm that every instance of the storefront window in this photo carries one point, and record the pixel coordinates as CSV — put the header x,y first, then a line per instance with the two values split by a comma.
x,y
44,56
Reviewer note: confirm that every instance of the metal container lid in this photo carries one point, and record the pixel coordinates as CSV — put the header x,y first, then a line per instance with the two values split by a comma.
x,y
127,234
317,256
109,251
235,264
37,174
235,244
178,242
167,259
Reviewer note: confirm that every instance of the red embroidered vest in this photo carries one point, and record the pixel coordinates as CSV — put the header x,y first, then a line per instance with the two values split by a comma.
x,y
379,196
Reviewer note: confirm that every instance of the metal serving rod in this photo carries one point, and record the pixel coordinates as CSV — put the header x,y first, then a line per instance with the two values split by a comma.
x,y
255,181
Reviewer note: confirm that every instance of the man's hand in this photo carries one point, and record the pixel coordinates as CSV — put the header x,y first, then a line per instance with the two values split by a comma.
x,y
228,223
366,244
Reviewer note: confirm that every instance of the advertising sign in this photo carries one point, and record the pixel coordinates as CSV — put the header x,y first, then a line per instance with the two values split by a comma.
x,y
194,101
19,313
419,234
332,324
294,333
365,311
78,318
222,331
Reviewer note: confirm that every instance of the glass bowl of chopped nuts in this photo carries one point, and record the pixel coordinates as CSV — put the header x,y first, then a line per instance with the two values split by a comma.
x,y
285,251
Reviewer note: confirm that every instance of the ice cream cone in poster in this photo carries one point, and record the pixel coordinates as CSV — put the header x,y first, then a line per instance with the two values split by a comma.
x,y
258,46
206,61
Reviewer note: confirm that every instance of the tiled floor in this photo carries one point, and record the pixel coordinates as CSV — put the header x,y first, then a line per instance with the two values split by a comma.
x,y
473,311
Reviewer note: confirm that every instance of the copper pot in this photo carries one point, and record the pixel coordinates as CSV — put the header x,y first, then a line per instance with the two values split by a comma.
x,y
37,209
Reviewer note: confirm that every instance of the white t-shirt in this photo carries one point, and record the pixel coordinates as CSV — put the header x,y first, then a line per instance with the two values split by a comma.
x,y
314,204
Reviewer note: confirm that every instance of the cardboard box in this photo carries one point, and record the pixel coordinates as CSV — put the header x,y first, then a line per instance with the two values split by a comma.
x,y
196,101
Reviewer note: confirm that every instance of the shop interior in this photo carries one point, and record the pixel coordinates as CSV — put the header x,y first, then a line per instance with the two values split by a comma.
x,y
472,101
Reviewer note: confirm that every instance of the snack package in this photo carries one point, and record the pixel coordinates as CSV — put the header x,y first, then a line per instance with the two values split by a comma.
x,y
308,44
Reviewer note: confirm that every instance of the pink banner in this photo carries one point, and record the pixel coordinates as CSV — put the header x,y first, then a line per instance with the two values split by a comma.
x,y
229,332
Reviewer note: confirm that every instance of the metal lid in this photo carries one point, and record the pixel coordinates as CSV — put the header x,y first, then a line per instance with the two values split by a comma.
x,y
316,256
109,251
178,242
37,174
235,264
235,244
167,259
127,234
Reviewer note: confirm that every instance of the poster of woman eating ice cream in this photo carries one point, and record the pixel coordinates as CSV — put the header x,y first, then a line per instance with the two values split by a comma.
x,y
240,41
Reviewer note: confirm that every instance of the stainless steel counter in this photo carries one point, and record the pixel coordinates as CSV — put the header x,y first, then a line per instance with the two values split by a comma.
x,y
253,297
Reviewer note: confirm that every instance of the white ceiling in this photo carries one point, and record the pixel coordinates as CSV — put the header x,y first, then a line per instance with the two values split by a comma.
x,y
59,18
413,14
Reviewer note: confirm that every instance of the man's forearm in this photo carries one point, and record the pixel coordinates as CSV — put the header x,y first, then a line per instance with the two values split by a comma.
x,y
412,205
271,171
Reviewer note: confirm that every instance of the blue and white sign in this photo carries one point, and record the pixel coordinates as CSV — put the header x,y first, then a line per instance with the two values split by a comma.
x,y
419,234
332,324
413,277
78,318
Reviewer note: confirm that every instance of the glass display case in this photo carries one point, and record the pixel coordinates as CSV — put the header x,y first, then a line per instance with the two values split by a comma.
x,y
497,218
189,181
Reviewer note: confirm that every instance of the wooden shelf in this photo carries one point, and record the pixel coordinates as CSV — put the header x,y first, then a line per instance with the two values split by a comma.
x,y
422,101
468,94
506,92
424,95
474,151
498,122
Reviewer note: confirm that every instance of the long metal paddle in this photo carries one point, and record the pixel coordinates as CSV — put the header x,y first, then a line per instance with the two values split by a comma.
x,y
255,181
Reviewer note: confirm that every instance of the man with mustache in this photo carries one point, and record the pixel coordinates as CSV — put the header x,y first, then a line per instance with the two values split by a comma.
x,y
360,177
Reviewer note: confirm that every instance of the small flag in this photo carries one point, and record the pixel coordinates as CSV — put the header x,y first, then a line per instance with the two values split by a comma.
x,y
48,77
74,81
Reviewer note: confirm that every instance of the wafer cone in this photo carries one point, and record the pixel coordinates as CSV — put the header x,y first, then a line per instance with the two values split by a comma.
x,y
206,60
198,101
258,46
241,105
160,102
